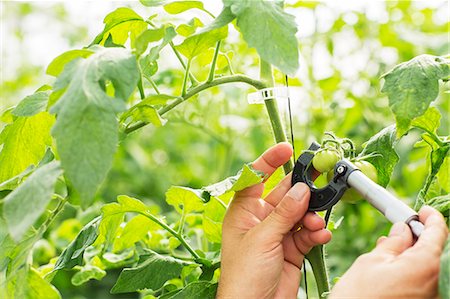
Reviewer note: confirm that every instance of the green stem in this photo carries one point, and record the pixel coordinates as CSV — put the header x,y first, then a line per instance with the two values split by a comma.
x,y
191,77
315,256
141,89
213,63
186,75
223,80
153,84
317,261
272,109
173,233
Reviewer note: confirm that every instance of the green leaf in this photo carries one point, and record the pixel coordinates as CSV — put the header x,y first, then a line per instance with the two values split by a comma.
x,y
411,87
224,18
113,215
24,143
121,24
32,104
152,3
444,273
86,129
184,199
271,31
35,287
25,204
212,220
87,273
382,144
197,289
197,43
444,174
134,231
148,62
189,28
57,65
429,121
440,203
73,254
177,7
246,177
152,273
143,111
148,36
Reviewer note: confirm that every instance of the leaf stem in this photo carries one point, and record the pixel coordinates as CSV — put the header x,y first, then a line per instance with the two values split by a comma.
x,y
141,89
213,63
222,80
186,75
153,84
317,261
173,233
191,77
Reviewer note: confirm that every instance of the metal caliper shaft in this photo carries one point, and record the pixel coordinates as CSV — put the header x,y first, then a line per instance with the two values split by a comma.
x,y
381,199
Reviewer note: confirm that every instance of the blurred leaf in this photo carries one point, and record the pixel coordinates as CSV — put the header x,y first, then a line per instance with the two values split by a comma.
x,y
411,87
73,254
266,27
184,200
148,62
444,175
57,65
197,43
32,104
146,37
197,289
24,143
34,287
134,231
189,28
86,128
224,18
177,7
429,121
25,204
382,144
152,273
441,203
121,24
87,273
245,178
152,3
145,112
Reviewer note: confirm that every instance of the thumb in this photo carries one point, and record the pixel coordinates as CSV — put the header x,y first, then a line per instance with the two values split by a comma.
x,y
400,238
287,213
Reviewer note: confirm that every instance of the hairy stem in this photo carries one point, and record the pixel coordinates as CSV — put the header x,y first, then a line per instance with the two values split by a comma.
x,y
192,92
213,63
317,261
173,233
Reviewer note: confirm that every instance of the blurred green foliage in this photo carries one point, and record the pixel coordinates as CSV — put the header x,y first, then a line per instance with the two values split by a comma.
x,y
343,54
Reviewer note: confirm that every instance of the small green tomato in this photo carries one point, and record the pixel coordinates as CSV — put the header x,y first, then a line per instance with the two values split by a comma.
x,y
325,160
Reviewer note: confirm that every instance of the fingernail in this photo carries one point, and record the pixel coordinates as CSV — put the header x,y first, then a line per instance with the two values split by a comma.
x,y
397,229
298,192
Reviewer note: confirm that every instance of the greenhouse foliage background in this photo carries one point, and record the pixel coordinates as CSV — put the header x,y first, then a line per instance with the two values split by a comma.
x,y
344,48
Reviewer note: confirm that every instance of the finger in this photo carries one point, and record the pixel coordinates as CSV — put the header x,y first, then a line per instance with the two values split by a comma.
x,y
275,196
312,221
277,193
435,233
273,158
286,214
400,238
268,162
305,239
381,239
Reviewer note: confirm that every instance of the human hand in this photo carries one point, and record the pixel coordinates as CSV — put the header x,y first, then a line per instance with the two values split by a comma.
x,y
262,252
398,268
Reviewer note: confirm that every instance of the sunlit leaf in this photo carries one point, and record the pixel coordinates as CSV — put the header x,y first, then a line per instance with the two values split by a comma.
x,y
32,104
25,204
57,65
24,143
151,273
411,87
184,199
86,129
177,7
87,273
197,289
197,43
382,144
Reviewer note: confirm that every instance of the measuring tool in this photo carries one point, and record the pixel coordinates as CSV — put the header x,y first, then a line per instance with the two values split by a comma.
x,y
347,175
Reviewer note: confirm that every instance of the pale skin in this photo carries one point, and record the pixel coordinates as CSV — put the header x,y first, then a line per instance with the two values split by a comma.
x,y
263,249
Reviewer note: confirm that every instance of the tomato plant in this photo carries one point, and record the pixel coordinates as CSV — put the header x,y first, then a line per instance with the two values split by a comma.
x,y
70,151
